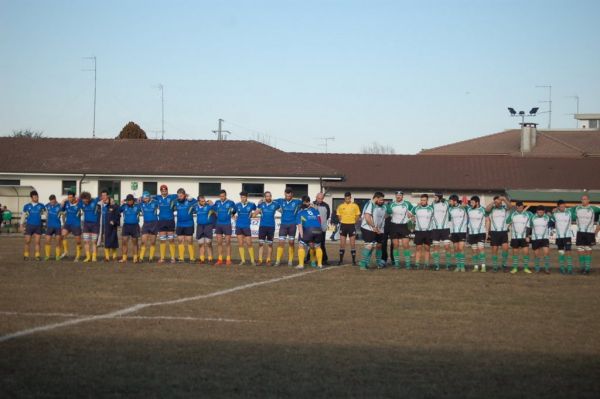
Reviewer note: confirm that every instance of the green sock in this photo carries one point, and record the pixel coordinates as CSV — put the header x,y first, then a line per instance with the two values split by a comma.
x,y
448,258
474,258
537,263
482,258
569,264
378,253
504,258
561,261
366,257
588,262
495,262
396,253
461,260
515,261
526,262
547,262
582,261
407,258
436,259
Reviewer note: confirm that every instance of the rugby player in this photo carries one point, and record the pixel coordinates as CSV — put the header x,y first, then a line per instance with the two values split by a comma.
x,y
422,215
519,221
400,213
310,234
166,222
31,224
584,216
72,224
266,227
348,214
498,212
225,209
563,218
288,206
539,239
131,227
111,220
90,207
477,228
149,208
373,221
205,220
458,230
243,215
184,206
440,231
53,227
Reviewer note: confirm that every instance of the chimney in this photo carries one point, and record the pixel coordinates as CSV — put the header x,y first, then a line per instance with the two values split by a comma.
x,y
528,137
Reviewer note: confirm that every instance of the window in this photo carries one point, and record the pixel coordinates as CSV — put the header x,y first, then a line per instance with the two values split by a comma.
x,y
10,182
150,186
594,123
69,185
299,189
112,186
254,189
209,189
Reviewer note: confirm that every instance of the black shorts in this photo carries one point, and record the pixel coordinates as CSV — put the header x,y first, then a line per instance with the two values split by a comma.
x,y
223,229
422,237
475,239
497,238
73,229
186,231
563,244
287,231
204,231
537,244
243,231
266,233
91,228
440,235
166,225
312,235
518,243
398,231
52,231
371,236
130,230
458,237
584,239
150,228
347,230
31,230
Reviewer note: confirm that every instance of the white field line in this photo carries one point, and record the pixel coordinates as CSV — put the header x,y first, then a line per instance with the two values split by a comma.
x,y
139,306
183,318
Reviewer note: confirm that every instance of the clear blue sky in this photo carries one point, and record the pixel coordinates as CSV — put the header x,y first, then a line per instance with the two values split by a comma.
x,y
409,74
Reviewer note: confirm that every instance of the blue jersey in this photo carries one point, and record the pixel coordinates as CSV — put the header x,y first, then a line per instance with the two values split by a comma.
x,y
166,206
33,214
205,214
91,211
149,211
72,213
131,214
54,214
289,210
185,216
224,211
309,218
267,213
244,214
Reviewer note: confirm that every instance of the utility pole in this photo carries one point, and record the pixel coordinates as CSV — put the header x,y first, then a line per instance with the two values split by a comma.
x,y
549,101
576,97
326,140
93,58
162,110
220,132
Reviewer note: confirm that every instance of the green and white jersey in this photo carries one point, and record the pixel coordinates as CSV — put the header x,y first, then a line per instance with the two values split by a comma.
x,y
498,216
519,222
562,222
539,227
476,221
400,211
377,212
458,219
423,217
441,215
584,217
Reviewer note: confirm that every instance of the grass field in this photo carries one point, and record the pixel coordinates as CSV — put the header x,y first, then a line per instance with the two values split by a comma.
x,y
182,330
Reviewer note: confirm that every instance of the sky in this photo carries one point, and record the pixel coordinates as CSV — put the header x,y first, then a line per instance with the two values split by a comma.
x,y
406,74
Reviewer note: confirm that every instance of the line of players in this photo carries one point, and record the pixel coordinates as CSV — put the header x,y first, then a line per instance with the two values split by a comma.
x,y
444,226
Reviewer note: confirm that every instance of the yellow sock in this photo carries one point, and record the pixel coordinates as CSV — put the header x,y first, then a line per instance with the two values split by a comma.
x,y
181,250
57,251
290,254
114,253
107,253
37,254
228,259
313,257
94,256
124,257
87,254
192,252
78,251
251,252
301,255
242,254
135,257
151,255
319,252
163,250
201,258
172,250
26,253
142,251
279,253
65,246
47,249
220,258
210,258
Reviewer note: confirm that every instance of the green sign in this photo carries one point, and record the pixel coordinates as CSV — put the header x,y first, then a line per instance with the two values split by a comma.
x,y
134,185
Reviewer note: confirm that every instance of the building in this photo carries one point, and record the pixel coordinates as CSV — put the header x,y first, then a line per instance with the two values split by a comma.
x,y
588,121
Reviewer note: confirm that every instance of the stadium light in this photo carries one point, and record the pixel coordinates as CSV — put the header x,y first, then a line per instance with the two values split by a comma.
x,y
522,114
512,111
534,111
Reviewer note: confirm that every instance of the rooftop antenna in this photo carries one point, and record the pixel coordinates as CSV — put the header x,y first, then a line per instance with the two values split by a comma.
x,y
93,58
162,110
326,141
220,132
576,97
549,102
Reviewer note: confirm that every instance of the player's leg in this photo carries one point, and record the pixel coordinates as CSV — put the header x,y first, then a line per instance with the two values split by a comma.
x,y
219,248
144,245
525,251
47,246
495,250
250,247
369,245
172,249
240,241
302,248
26,245
65,244
190,245
481,248
396,252
342,247
162,246
228,249
460,256
291,240
180,245
515,255
426,255
124,247
546,253
352,240
505,254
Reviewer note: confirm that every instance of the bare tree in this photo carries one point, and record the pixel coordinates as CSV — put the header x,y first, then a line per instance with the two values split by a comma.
x,y
377,148
29,134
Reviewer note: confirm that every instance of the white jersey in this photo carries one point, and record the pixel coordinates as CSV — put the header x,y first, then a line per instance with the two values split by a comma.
x,y
539,227
458,219
400,211
377,212
423,217
498,216
476,221
520,222
441,215
562,222
584,216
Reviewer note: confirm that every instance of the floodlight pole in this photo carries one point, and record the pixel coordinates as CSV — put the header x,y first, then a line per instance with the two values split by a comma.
x,y
93,58
576,97
549,101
